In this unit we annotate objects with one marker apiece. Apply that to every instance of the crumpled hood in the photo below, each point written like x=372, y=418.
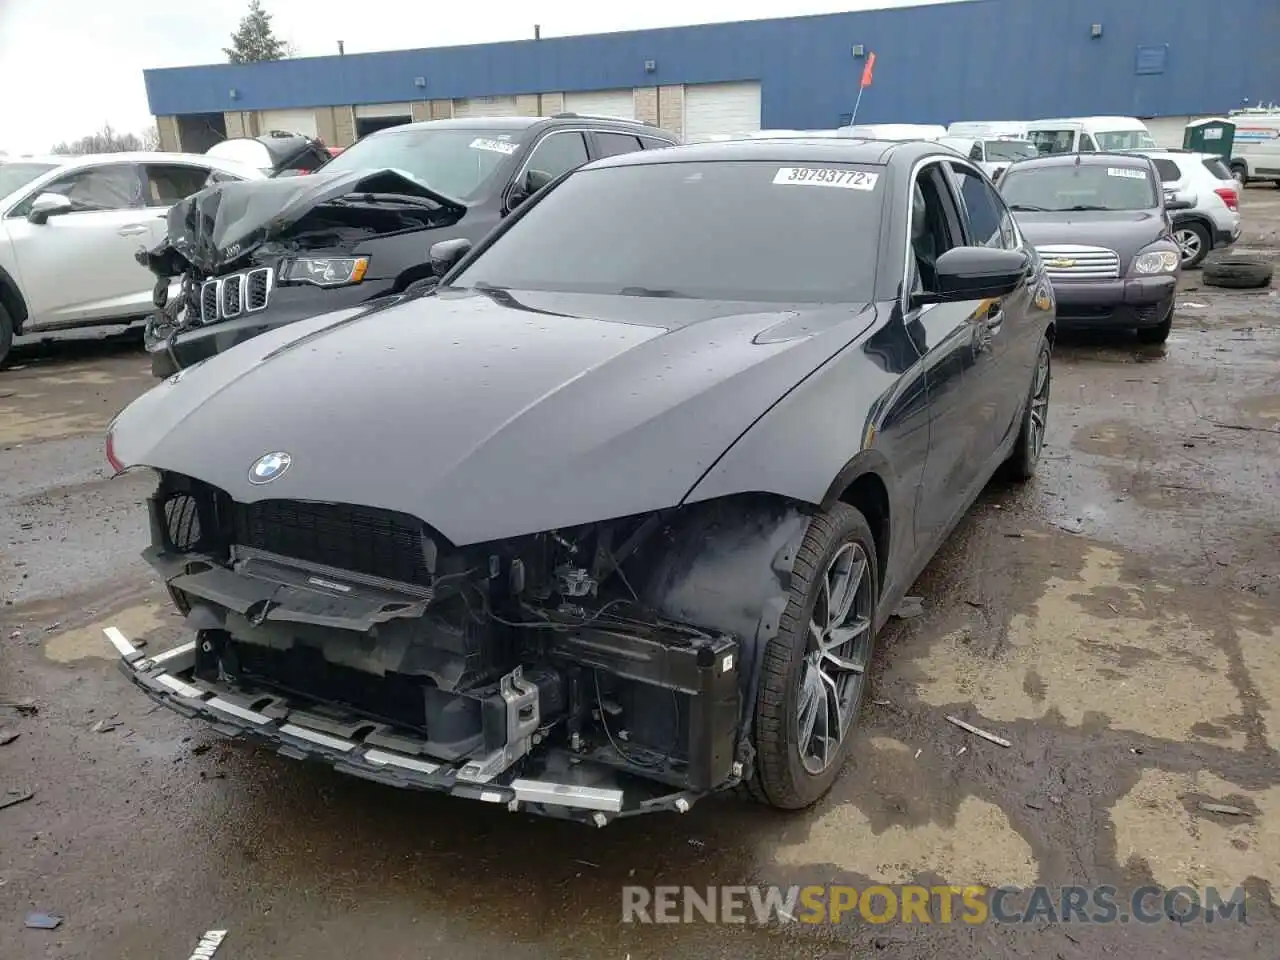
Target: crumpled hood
x=486, y=417
x=1125, y=231
x=222, y=223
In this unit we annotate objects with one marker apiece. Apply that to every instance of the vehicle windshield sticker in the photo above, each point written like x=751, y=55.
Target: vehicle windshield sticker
x=1127, y=173
x=493, y=146
x=826, y=177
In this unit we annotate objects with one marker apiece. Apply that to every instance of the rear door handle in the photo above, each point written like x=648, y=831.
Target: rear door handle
x=133, y=230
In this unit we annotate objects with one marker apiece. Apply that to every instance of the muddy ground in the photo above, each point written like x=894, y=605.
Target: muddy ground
x=1118, y=621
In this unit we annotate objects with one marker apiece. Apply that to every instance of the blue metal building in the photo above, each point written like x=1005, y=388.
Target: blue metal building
x=977, y=59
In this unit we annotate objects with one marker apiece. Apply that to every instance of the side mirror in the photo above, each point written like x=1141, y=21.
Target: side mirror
x=528, y=185
x=446, y=254
x=48, y=205
x=973, y=273
x=1180, y=201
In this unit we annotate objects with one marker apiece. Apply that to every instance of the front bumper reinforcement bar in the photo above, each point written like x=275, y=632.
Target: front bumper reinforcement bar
x=380, y=754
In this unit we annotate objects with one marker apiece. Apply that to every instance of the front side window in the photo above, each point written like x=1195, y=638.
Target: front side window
x=557, y=153
x=1113, y=185
x=1086, y=144
x=707, y=231
x=463, y=164
x=112, y=187
x=990, y=224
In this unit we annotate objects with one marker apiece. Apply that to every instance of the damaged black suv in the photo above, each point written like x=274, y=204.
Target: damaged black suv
x=252, y=257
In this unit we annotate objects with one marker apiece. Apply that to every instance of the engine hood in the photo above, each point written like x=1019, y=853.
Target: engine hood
x=1125, y=231
x=223, y=223
x=487, y=416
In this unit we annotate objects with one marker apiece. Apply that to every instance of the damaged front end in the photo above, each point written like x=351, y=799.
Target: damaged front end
x=589, y=673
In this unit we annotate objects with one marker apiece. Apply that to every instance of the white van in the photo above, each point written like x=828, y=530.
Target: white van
x=894, y=131
x=1256, y=152
x=989, y=129
x=1090, y=134
x=992, y=154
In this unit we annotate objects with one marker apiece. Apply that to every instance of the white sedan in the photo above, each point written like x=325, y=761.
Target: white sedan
x=70, y=228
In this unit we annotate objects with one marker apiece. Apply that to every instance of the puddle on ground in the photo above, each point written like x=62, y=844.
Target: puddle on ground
x=89, y=642
x=1098, y=650
x=977, y=844
x=1160, y=822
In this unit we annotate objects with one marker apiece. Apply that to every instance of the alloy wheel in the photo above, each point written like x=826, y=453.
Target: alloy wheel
x=1039, y=406
x=1188, y=244
x=834, y=670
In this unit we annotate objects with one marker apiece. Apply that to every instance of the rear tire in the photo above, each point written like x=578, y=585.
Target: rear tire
x=1240, y=173
x=806, y=693
x=1023, y=461
x=1158, y=333
x=6, y=334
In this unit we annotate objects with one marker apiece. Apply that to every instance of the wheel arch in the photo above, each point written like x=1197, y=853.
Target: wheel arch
x=12, y=300
x=862, y=485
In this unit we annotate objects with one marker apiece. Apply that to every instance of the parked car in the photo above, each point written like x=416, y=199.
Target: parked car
x=609, y=519
x=1102, y=228
x=989, y=129
x=70, y=227
x=893, y=131
x=277, y=153
x=1213, y=218
x=256, y=256
x=992, y=154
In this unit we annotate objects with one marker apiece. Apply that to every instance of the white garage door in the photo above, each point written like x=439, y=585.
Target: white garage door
x=485, y=107
x=604, y=103
x=290, y=121
x=720, y=108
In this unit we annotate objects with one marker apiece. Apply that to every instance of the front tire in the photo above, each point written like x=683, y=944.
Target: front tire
x=6, y=334
x=1158, y=333
x=1035, y=418
x=814, y=674
x=1194, y=244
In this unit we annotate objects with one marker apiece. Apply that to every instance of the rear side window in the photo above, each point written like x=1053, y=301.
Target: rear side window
x=613, y=144
x=1168, y=170
x=169, y=183
x=1217, y=168
x=652, y=143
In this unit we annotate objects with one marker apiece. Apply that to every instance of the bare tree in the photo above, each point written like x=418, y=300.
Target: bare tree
x=108, y=140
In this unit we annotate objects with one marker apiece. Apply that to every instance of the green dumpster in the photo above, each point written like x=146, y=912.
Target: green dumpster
x=1212, y=135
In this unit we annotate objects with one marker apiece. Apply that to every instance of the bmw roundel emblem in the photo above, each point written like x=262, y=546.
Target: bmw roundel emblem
x=270, y=467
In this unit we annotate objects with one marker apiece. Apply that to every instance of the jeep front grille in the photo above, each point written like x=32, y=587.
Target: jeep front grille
x=225, y=298
x=1073, y=262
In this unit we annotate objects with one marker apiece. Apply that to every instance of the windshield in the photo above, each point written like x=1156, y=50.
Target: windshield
x=15, y=176
x=461, y=164
x=1010, y=149
x=1078, y=186
x=740, y=230
x=1053, y=141
x=1124, y=140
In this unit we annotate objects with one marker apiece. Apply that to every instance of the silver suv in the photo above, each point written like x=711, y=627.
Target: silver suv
x=1204, y=179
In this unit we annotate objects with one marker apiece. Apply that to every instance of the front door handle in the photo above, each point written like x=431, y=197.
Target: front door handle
x=133, y=230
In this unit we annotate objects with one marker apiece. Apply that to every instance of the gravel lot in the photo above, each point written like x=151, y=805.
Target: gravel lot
x=1118, y=621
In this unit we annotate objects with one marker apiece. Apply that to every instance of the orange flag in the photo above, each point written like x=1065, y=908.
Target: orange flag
x=868, y=70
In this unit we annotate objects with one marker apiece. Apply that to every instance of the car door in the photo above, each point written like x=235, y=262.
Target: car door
x=1004, y=353
x=948, y=336
x=557, y=152
x=79, y=266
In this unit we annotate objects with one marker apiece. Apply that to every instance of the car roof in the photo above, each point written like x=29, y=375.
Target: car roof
x=523, y=123
x=1094, y=159
x=785, y=150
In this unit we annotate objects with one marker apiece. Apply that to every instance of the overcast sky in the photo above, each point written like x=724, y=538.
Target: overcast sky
x=68, y=66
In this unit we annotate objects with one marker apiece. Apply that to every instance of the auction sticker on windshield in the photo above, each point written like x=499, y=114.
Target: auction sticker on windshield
x=826, y=177
x=494, y=146
x=1127, y=173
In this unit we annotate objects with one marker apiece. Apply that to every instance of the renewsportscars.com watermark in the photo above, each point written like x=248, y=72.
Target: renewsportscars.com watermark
x=912, y=903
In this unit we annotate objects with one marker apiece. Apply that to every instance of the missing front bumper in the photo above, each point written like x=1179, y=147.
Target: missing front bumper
x=583, y=791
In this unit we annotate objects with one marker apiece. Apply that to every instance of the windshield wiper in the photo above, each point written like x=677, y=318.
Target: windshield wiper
x=1028, y=208
x=1081, y=207
x=651, y=292
x=400, y=199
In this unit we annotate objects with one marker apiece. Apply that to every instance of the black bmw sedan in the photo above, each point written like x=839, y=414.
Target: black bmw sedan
x=609, y=519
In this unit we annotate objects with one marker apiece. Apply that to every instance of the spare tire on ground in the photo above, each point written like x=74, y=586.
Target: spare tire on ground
x=1238, y=271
